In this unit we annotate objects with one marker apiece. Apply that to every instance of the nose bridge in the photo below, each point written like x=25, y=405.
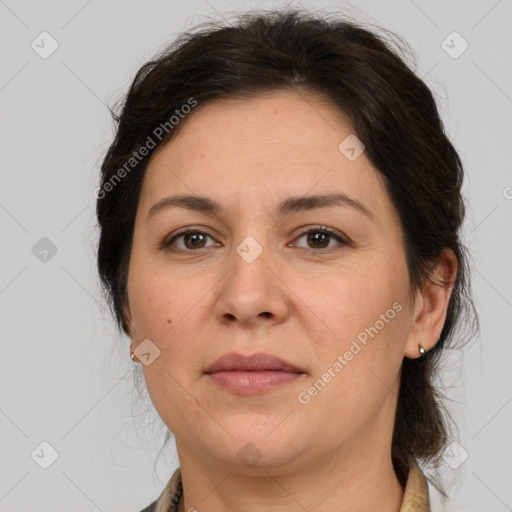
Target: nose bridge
x=250, y=290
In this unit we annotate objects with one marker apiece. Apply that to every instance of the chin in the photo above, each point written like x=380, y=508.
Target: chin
x=252, y=448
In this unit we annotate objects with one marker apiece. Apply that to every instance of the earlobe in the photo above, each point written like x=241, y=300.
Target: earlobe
x=431, y=307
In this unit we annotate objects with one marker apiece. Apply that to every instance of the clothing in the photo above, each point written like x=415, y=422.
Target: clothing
x=416, y=497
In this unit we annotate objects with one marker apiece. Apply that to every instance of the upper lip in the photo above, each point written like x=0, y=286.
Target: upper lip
x=260, y=361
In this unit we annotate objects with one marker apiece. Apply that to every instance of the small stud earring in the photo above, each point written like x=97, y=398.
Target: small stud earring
x=422, y=350
x=132, y=355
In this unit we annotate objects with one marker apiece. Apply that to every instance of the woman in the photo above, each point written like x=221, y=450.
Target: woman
x=280, y=214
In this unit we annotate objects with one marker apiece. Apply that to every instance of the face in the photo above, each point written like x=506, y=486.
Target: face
x=320, y=283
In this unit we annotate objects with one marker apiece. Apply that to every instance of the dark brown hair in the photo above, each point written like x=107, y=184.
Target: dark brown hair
x=393, y=113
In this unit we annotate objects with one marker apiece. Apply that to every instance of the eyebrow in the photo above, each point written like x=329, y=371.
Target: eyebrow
x=286, y=207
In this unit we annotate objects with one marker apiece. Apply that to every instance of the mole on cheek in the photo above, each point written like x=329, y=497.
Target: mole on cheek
x=169, y=321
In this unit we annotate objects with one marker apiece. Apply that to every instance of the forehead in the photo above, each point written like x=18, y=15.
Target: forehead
x=263, y=148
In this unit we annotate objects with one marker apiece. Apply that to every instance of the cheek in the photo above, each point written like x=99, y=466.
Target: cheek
x=152, y=309
x=157, y=301
x=164, y=313
x=350, y=300
x=367, y=319
x=169, y=310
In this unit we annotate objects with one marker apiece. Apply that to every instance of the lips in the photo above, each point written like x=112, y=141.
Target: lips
x=255, y=362
x=256, y=374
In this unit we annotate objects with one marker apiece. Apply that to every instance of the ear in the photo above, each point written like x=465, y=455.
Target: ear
x=431, y=306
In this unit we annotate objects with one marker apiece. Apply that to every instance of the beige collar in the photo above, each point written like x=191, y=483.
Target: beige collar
x=416, y=497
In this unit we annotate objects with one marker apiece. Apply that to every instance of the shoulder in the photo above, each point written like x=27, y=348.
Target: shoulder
x=170, y=496
x=151, y=507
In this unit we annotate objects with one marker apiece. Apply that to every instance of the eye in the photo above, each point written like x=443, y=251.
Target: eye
x=317, y=238
x=191, y=240
x=320, y=237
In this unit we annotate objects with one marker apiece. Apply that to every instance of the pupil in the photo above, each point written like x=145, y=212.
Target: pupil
x=196, y=236
x=314, y=238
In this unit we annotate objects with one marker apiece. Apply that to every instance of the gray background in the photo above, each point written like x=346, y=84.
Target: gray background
x=66, y=376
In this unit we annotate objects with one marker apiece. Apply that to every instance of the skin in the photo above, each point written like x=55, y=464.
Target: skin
x=333, y=453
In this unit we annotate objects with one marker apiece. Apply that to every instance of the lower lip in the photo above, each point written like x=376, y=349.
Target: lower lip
x=253, y=382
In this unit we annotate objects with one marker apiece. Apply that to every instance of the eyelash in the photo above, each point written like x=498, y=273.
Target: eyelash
x=167, y=243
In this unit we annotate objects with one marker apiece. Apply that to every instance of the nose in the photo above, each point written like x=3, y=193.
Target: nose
x=252, y=292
